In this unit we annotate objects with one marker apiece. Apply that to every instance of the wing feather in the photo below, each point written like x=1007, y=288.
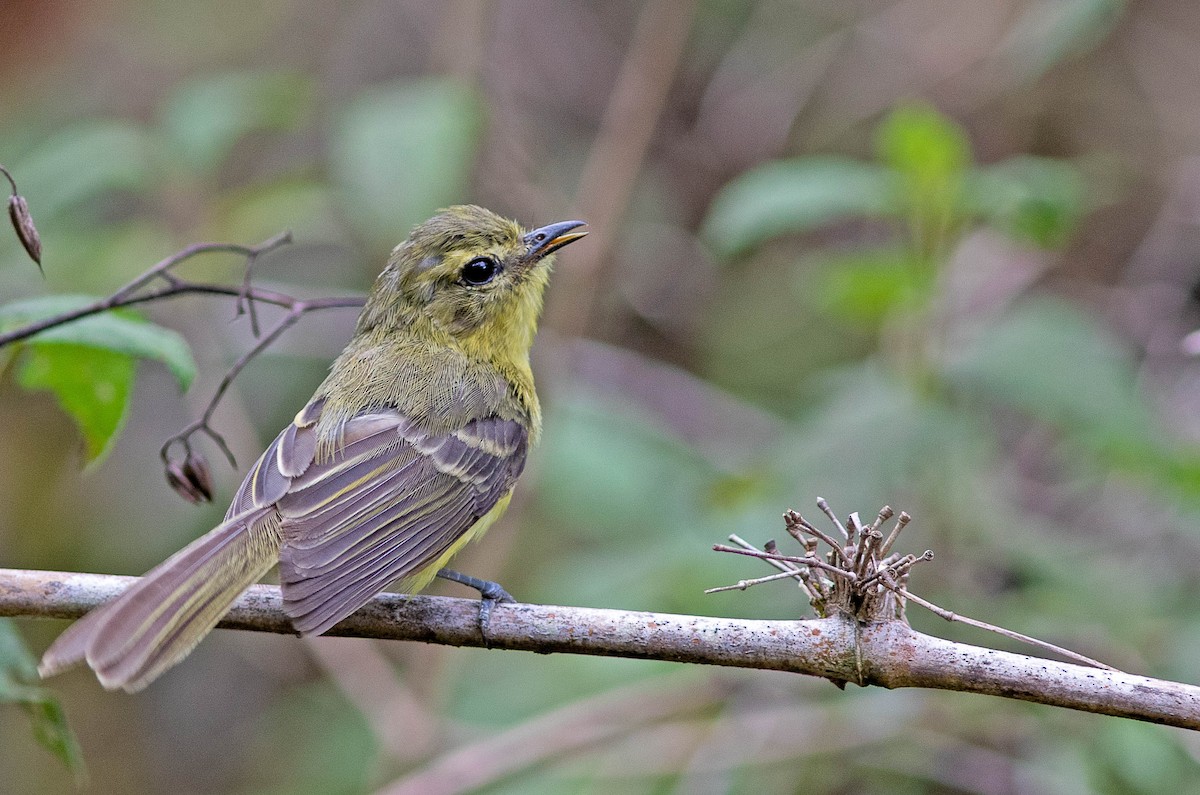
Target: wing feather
x=356, y=585
x=392, y=500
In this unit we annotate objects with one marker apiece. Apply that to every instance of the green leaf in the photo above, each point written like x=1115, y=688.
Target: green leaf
x=930, y=153
x=92, y=385
x=48, y=721
x=1034, y=199
x=869, y=285
x=795, y=196
x=244, y=103
x=922, y=144
x=119, y=331
x=402, y=151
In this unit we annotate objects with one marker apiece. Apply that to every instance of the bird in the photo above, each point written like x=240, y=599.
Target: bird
x=407, y=450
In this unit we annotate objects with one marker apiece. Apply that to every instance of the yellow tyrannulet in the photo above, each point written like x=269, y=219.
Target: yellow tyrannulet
x=408, y=450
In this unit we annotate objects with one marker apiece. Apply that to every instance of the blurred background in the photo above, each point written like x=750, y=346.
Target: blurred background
x=938, y=254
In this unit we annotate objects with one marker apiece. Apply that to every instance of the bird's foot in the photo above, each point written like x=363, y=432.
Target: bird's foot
x=490, y=594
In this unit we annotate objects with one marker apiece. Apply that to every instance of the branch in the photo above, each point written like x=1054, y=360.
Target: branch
x=886, y=653
x=189, y=476
x=129, y=294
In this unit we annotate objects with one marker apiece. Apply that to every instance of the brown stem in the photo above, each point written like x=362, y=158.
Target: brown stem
x=127, y=295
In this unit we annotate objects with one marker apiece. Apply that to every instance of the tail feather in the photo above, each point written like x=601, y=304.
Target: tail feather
x=159, y=619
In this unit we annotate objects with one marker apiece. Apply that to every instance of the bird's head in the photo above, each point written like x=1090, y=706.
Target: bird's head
x=472, y=274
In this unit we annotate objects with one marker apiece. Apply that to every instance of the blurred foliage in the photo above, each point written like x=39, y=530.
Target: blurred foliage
x=404, y=149
x=18, y=673
x=964, y=305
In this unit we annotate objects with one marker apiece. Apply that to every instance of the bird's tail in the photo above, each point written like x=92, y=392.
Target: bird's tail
x=129, y=641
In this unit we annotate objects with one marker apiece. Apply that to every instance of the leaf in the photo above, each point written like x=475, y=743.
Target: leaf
x=91, y=385
x=119, y=331
x=49, y=723
x=1054, y=363
x=869, y=285
x=1051, y=31
x=795, y=196
x=402, y=151
x=1035, y=199
x=921, y=143
x=931, y=154
x=248, y=102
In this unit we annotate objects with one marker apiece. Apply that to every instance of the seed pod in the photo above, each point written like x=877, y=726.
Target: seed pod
x=22, y=221
x=179, y=481
x=196, y=470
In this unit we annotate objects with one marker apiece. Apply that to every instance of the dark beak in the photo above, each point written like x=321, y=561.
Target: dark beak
x=551, y=238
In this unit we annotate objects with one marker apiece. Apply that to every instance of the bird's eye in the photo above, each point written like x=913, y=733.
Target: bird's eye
x=480, y=270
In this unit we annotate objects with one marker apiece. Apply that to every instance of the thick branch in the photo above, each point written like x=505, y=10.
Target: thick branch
x=889, y=654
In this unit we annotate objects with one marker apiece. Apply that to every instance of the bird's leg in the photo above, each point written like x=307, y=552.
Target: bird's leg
x=490, y=594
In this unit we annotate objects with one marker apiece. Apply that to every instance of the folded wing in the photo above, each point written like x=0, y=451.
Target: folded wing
x=392, y=500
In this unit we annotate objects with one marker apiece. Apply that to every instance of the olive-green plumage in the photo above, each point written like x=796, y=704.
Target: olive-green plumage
x=409, y=449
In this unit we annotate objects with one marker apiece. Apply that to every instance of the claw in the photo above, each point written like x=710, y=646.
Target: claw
x=490, y=594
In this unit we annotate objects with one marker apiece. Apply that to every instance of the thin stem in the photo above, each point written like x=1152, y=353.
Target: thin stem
x=127, y=295
x=10, y=179
x=140, y=291
x=803, y=561
x=950, y=615
x=742, y=585
x=202, y=425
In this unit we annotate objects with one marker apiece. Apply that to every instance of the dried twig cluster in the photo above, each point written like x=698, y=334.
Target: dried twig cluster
x=859, y=576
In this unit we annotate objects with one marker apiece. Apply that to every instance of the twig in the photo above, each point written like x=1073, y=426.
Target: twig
x=803, y=560
x=901, y=522
x=866, y=573
x=790, y=568
x=796, y=522
x=742, y=585
x=950, y=615
x=140, y=291
x=889, y=654
x=129, y=295
x=12, y=182
x=825, y=509
x=298, y=310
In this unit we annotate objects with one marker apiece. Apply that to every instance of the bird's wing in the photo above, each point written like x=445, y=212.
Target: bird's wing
x=390, y=501
x=157, y=620
x=287, y=458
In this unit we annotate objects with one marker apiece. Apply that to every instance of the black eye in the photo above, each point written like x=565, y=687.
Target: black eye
x=479, y=270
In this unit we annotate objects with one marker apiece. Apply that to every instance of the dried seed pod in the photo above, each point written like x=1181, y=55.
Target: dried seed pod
x=22, y=221
x=182, y=484
x=199, y=475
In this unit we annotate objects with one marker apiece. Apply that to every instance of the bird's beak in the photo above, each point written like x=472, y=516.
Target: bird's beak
x=553, y=237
